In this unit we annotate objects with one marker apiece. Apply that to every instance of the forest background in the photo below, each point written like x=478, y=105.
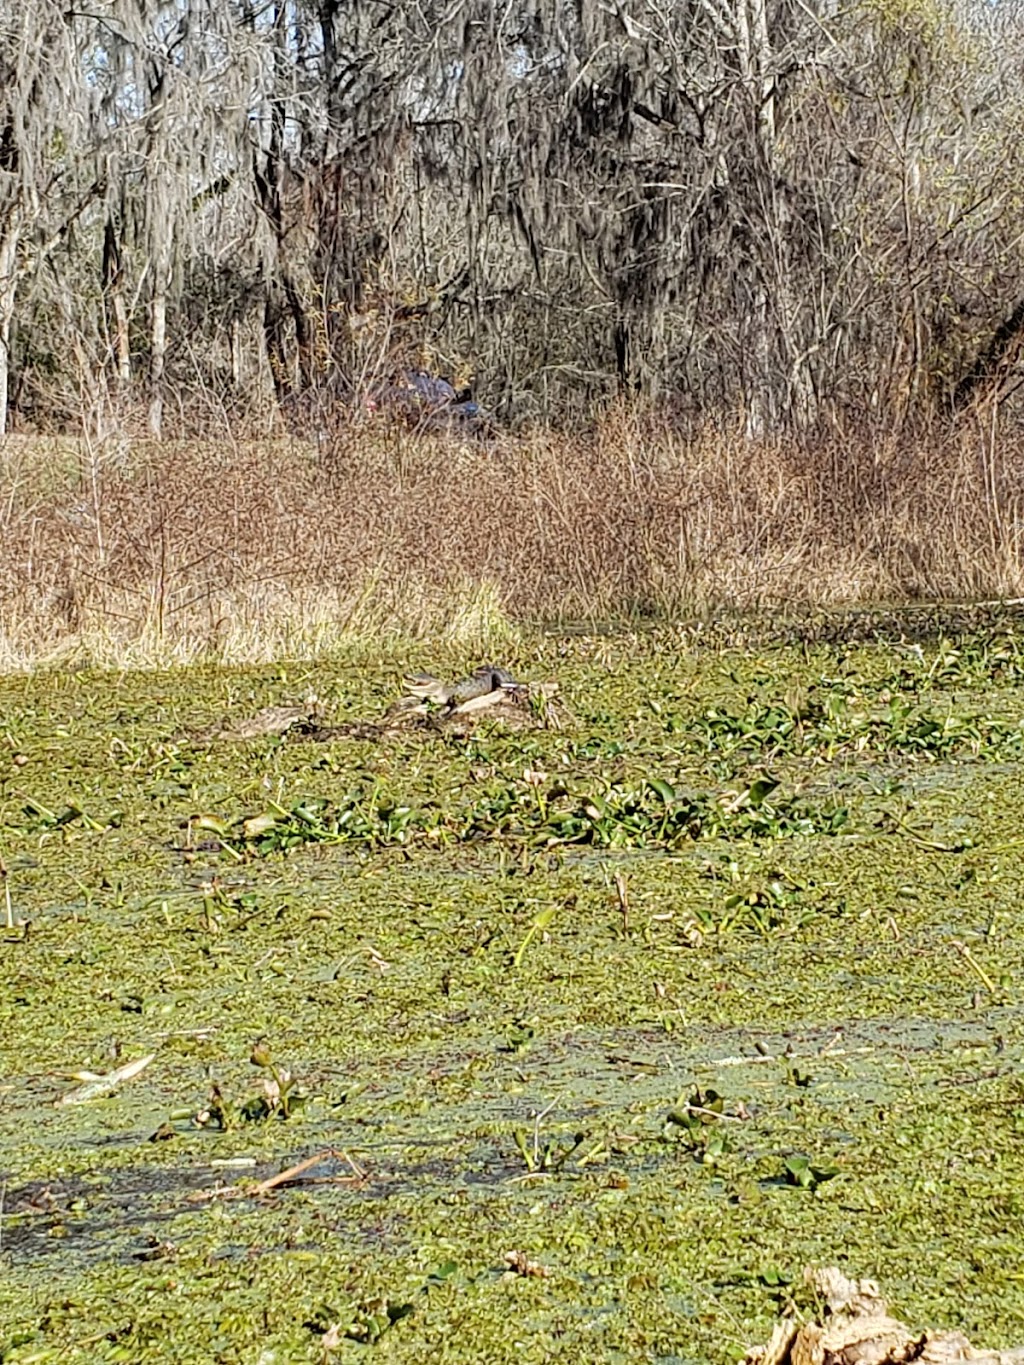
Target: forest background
x=739, y=282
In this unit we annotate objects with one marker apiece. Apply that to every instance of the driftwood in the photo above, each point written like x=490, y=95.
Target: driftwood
x=99, y=1087
x=857, y=1329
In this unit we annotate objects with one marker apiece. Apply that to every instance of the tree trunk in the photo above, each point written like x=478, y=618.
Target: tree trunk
x=113, y=289
x=158, y=334
x=8, y=291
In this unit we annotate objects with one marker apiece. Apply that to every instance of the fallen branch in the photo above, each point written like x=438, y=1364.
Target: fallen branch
x=274, y=1182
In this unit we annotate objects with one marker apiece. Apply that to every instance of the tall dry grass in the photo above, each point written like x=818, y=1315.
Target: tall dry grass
x=132, y=554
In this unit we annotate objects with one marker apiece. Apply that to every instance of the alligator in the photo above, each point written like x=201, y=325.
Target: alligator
x=428, y=704
x=482, y=682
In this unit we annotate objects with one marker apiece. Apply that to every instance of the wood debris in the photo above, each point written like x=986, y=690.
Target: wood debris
x=99, y=1087
x=857, y=1329
x=520, y=1264
x=429, y=705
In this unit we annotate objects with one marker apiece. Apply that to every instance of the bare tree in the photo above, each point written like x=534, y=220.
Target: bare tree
x=39, y=124
x=776, y=211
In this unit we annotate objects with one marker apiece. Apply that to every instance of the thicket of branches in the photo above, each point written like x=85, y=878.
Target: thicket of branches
x=785, y=212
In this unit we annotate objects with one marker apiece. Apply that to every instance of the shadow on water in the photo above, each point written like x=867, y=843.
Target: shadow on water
x=492, y=1114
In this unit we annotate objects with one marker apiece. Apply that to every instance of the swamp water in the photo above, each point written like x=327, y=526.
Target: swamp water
x=597, y=1035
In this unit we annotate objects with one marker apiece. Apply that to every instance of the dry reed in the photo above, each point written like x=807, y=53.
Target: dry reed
x=131, y=554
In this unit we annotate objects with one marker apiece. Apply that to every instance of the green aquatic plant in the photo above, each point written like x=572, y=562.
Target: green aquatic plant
x=538, y=925
x=611, y=816
x=38, y=818
x=822, y=920
x=748, y=894
x=363, y=1322
x=807, y=1174
x=832, y=721
x=698, y=1122
x=279, y=1096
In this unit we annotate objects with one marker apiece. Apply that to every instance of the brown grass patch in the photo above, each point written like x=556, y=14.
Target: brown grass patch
x=129, y=553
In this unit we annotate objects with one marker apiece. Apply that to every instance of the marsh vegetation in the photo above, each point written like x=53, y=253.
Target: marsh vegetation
x=575, y=1039
x=128, y=553
x=545, y=1044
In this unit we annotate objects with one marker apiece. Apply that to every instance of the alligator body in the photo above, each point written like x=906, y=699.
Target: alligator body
x=428, y=705
x=482, y=682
